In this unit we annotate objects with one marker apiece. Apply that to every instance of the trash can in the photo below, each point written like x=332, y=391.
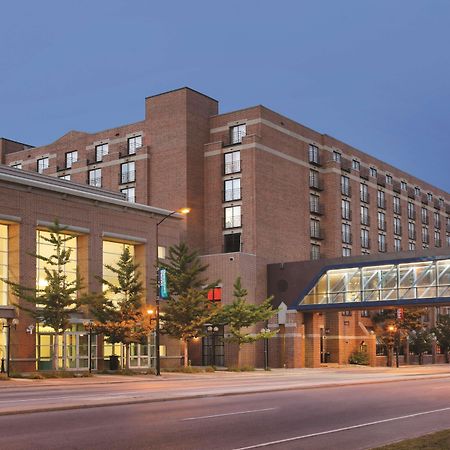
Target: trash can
x=113, y=362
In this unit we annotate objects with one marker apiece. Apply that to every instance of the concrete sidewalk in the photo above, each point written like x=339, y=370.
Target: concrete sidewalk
x=24, y=396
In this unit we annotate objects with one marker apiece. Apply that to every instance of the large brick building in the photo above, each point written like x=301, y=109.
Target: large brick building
x=263, y=188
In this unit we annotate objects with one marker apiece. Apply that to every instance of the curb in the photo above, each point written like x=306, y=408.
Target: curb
x=224, y=394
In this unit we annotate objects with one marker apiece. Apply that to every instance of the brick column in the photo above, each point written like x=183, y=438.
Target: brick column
x=312, y=339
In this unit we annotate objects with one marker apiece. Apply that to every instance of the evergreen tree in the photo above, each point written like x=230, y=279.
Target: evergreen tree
x=442, y=332
x=240, y=315
x=53, y=304
x=120, y=312
x=188, y=309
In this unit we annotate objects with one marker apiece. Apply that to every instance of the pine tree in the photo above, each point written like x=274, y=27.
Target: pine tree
x=119, y=312
x=442, y=332
x=188, y=309
x=240, y=315
x=53, y=304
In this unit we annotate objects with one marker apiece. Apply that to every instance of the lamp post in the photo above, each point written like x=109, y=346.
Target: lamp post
x=395, y=332
x=9, y=324
x=213, y=330
x=266, y=348
x=89, y=325
x=183, y=211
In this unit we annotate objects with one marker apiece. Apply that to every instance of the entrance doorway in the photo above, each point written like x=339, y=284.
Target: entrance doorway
x=213, y=347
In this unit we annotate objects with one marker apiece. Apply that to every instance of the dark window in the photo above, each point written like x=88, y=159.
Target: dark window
x=232, y=243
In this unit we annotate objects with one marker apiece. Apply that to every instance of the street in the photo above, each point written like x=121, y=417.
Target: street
x=341, y=417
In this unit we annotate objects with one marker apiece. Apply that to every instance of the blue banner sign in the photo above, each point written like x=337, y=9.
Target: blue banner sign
x=163, y=290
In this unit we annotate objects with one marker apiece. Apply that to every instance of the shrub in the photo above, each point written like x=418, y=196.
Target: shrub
x=361, y=358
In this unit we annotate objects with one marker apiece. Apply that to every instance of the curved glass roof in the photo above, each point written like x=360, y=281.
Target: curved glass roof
x=402, y=283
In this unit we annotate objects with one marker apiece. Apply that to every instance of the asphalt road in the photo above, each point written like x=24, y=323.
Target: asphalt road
x=346, y=417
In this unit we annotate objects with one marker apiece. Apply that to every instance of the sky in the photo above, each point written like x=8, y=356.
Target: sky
x=373, y=73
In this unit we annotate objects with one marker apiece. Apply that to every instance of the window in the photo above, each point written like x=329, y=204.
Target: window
x=71, y=158
x=437, y=220
x=232, y=189
x=215, y=294
x=233, y=217
x=424, y=215
x=65, y=177
x=397, y=244
x=16, y=165
x=381, y=242
x=162, y=252
x=381, y=221
x=365, y=313
x=381, y=200
x=346, y=251
x=411, y=245
x=364, y=193
x=346, y=234
x=345, y=207
x=347, y=313
x=95, y=177
x=365, y=215
x=403, y=185
x=315, y=251
x=397, y=226
x=388, y=179
x=425, y=235
x=42, y=164
x=397, y=207
x=411, y=211
x=448, y=240
x=232, y=242
x=345, y=185
x=133, y=144
x=130, y=194
x=100, y=151
x=411, y=230
x=337, y=156
x=373, y=172
x=441, y=202
x=314, y=181
x=365, y=243
x=3, y=264
x=416, y=191
x=313, y=154
x=315, y=229
x=237, y=133
x=232, y=162
x=437, y=238
x=356, y=165
x=430, y=196
x=314, y=204
x=127, y=172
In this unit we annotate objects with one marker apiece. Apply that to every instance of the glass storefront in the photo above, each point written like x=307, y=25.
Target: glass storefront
x=418, y=280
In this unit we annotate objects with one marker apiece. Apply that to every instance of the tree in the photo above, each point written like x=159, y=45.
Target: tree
x=240, y=315
x=421, y=342
x=442, y=332
x=188, y=309
x=53, y=304
x=391, y=329
x=119, y=311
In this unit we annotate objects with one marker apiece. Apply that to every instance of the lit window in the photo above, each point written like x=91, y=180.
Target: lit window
x=232, y=189
x=237, y=133
x=130, y=194
x=100, y=151
x=233, y=217
x=95, y=177
x=42, y=164
x=215, y=294
x=71, y=158
x=232, y=162
x=161, y=252
x=133, y=144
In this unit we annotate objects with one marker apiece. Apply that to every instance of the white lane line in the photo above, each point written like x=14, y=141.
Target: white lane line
x=337, y=430
x=228, y=414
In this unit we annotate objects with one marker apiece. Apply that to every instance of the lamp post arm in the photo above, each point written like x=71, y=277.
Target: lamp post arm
x=166, y=217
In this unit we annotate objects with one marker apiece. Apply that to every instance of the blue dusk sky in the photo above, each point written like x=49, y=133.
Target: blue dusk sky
x=373, y=73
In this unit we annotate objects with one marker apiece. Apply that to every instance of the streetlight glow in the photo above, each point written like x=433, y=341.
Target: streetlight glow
x=184, y=211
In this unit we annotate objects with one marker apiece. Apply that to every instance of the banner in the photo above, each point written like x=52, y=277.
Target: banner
x=162, y=282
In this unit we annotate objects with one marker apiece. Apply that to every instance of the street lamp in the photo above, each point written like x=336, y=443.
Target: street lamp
x=9, y=324
x=213, y=330
x=393, y=330
x=182, y=211
x=266, y=348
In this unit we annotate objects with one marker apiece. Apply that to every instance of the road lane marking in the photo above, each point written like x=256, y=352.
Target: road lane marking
x=337, y=430
x=228, y=414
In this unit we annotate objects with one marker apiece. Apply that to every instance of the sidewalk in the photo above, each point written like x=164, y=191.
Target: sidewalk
x=22, y=396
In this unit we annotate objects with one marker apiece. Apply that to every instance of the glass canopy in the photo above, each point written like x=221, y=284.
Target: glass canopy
x=392, y=282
